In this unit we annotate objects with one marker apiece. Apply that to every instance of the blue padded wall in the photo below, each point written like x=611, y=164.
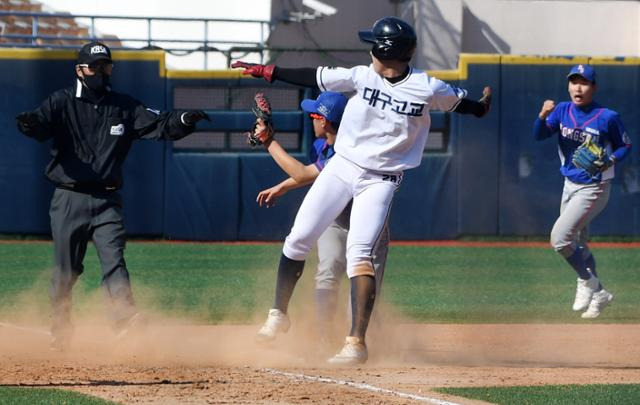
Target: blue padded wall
x=424, y=206
x=202, y=196
x=259, y=172
x=494, y=179
x=530, y=183
x=477, y=155
x=24, y=191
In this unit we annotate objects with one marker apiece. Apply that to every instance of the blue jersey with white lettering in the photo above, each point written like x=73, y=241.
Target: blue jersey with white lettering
x=320, y=153
x=572, y=124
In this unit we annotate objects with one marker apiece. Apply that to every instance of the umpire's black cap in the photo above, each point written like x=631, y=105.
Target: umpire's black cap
x=92, y=52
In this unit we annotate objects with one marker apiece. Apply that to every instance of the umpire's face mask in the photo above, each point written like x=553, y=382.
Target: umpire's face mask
x=98, y=82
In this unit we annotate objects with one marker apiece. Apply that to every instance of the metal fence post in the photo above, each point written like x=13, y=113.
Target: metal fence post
x=34, y=29
x=148, y=32
x=206, y=44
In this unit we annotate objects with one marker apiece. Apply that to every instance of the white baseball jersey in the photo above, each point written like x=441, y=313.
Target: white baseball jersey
x=385, y=125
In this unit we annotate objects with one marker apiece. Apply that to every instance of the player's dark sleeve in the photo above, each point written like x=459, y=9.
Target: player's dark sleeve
x=467, y=106
x=479, y=108
x=155, y=125
x=305, y=77
x=541, y=130
x=620, y=142
x=38, y=124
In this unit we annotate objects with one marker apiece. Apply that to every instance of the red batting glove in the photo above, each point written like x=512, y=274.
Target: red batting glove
x=256, y=70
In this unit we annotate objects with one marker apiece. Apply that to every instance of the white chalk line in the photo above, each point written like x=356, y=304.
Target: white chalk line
x=47, y=333
x=25, y=329
x=361, y=386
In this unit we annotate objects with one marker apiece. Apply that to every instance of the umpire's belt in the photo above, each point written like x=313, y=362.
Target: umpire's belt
x=88, y=188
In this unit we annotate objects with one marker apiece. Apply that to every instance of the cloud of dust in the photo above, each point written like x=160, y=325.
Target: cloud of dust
x=175, y=337
x=171, y=336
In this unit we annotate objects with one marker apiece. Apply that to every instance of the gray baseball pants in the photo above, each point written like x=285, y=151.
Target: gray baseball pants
x=581, y=203
x=332, y=254
x=77, y=218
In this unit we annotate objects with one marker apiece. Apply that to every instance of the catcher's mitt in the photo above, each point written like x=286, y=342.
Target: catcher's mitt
x=591, y=157
x=262, y=130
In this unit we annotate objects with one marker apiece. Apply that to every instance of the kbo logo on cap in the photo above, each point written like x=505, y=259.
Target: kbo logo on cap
x=580, y=68
x=98, y=49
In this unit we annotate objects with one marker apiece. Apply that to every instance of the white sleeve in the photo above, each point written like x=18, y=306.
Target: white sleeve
x=336, y=79
x=445, y=96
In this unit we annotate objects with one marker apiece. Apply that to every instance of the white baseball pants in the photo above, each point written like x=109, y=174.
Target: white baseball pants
x=340, y=181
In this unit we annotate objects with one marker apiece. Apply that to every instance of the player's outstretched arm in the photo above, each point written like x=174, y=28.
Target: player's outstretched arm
x=37, y=124
x=478, y=108
x=305, y=77
x=299, y=172
x=30, y=124
x=151, y=124
x=269, y=196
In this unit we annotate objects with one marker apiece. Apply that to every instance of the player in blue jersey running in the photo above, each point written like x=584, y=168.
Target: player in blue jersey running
x=584, y=195
x=326, y=113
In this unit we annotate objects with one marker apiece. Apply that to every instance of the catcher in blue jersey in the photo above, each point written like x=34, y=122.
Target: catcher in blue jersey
x=591, y=141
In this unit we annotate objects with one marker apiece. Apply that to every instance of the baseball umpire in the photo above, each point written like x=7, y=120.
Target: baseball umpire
x=92, y=128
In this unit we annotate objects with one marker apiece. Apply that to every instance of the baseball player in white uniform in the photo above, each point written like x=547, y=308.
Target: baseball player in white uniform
x=383, y=132
x=326, y=113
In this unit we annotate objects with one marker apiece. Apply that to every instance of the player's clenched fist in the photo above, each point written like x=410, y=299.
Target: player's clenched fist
x=547, y=107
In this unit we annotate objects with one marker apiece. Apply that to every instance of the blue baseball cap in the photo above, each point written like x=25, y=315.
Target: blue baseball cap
x=584, y=71
x=329, y=104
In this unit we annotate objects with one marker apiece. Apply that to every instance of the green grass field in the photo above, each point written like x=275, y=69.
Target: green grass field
x=45, y=396
x=553, y=394
x=230, y=283
x=222, y=282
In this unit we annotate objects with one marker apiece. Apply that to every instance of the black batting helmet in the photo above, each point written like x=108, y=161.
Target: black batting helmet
x=392, y=39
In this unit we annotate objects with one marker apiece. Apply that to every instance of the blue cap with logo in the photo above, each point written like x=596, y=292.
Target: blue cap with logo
x=329, y=104
x=585, y=71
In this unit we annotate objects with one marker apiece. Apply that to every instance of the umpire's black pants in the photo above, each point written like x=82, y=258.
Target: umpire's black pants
x=75, y=219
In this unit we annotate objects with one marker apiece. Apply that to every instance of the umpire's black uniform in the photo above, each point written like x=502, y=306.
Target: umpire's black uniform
x=92, y=130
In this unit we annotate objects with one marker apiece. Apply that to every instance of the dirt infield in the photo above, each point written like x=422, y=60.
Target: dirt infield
x=173, y=362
